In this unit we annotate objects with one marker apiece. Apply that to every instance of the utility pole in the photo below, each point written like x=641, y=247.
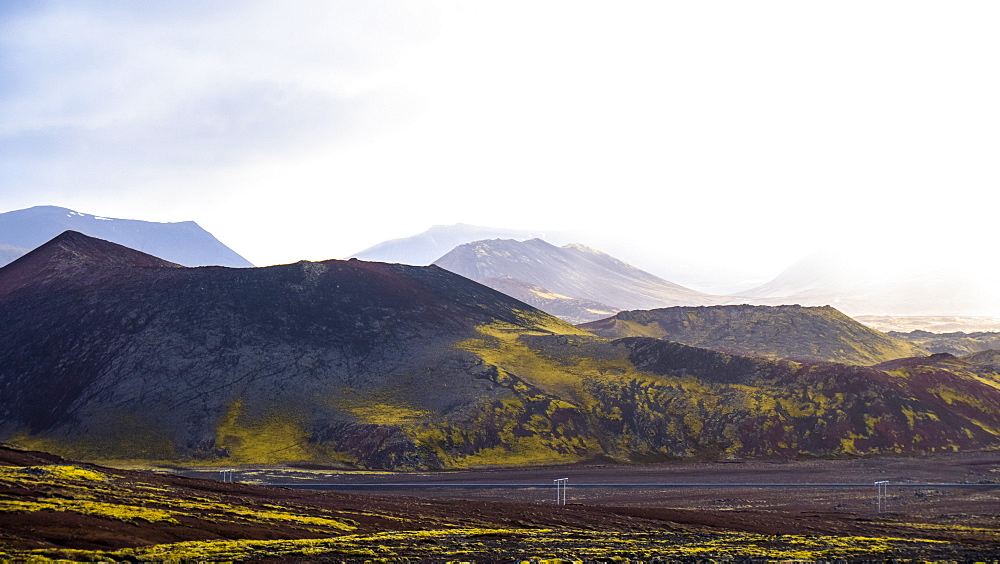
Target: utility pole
x=560, y=484
x=882, y=495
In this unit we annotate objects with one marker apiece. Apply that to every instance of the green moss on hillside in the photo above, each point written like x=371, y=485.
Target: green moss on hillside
x=792, y=332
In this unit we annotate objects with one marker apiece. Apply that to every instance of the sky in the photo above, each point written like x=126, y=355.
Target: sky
x=741, y=134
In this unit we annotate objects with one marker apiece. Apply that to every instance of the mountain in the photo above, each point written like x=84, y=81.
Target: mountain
x=110, y=353
x=71, y=254
x=988, y=359
x=701, y=273
x=573, y=310
x=184, y=243
x=424, y=248
x=814, y=334
x=573, y=270
x=655, y=399
x=134, y=357
x=874, y=281
x=956, y=342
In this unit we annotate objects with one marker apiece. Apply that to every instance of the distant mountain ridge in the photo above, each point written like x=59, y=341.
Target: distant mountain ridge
x=424, y=248
x=858, y=280
x=573, y=270
x=955, y=342
x=989, y=358
x=184, y=243
x=789, y=331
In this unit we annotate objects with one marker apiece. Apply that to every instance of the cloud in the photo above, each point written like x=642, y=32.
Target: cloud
x=100, y=87
x=748, y=132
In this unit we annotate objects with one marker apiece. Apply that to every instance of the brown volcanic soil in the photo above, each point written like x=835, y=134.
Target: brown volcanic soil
x=733, y=502
x=966, y=516
x=704, y=514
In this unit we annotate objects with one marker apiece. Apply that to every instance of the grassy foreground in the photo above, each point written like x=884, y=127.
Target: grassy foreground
x=51, y=509
x=492, y=544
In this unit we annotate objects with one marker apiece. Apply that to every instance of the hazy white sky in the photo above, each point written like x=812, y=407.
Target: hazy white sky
x=745, y=133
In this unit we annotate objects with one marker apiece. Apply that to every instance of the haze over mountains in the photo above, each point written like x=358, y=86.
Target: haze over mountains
x=573, y=310
x=426, y=247
x=859, y=281
x=902, y=281
x=573, y=270
x=8, y=253
x=114, y=354
x=185, y=243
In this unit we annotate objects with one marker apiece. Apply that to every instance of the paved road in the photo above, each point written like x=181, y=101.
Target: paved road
x=478, y=485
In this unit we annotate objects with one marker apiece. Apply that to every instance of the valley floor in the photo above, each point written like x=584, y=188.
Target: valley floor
x=916, y=485
x=55, y=509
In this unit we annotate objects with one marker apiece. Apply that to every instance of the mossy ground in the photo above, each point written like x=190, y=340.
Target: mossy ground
x=641, y=398
x=821, y=334
x=484, y=544
x=66, y=511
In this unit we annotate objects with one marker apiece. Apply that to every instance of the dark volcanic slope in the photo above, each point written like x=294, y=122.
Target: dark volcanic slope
x=575, y=271
x=110, y=353
x=68, y=255
x=794, y=332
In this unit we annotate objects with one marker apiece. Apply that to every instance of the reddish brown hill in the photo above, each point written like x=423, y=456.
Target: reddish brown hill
x=113, y=353
x=573, y=271
x=66, y=254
